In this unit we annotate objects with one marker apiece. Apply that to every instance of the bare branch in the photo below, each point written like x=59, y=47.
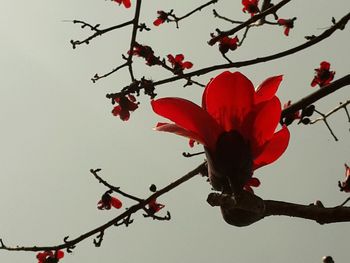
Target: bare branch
x=339, y=25
x=250, y=21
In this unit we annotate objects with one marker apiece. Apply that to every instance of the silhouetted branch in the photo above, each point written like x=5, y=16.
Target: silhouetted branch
x=96, y=30
x=317, y=95
x=133, y=209
x=250, y=21
x=263, y=208
x=339, y=25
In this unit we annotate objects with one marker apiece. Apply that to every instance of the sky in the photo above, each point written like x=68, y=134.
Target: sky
x=57, y=125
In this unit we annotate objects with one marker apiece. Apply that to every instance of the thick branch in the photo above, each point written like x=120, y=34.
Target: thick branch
x=320, y=214
x=250, y=208
x=320, y=93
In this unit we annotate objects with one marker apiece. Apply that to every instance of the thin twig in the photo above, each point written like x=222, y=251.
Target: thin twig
x=133, y=209
x=98, y=32
x=250, y=21
x=324, y=116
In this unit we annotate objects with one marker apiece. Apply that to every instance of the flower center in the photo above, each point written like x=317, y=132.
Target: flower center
x=231, y=164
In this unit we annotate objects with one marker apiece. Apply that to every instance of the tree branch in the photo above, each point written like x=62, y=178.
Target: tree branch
x=339, y=25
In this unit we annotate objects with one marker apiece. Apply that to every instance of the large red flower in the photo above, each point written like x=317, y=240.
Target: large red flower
x=236, y=125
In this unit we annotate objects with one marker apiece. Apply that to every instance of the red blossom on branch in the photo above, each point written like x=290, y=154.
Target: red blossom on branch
x=323, y=75
x=227, y=43
x=154, y=207
x=107, y=201
x=287, y=23
x=250, y=6
x=145, y=52
x=126, y=3
x=126, y=104
x=345, y=185
x=178, y=64
x=50, y=256
x=162, y=17
x=236, y=125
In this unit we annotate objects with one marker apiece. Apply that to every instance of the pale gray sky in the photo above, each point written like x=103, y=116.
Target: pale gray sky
x=56, y=125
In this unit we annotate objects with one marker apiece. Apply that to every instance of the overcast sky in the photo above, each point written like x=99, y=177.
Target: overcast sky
x=56, y=125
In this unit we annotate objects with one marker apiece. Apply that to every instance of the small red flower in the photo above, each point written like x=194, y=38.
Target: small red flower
x=178, y=64
x=107, y=201
x=126, y=3
x=227, y=43
x=287, y=23
x=145, y=52
x=236, y=125
x=50, y=256
x=126, y=104
x=345, y=185
x=154, y=207
x=251, y=6
x=162, y=17
x=323, y=75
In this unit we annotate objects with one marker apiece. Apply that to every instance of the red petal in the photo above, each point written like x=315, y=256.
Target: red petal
x=281, y=21
x=171, y=59
x=189, y=116
x=314, y=82
x=228, y=98
x=286, y=31
x=173, y=128
x=124, y=115
x=265, y=123
x=116, y=203
x=187, y=65
x=255, y=182
x=116, y=110
x=325, y=65
x=59, y=254
x=267, y=89
x=127, y=3
x=158, y=21
x=273, y=149
x=179, y=57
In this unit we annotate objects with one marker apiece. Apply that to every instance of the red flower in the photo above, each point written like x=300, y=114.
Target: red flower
x=345, y=186
x=236, y=125
x=162, y=17
x=154, y=207
x=227, y=43
x=126, y=104
x=323, y=75
x=287, y=23
x=126, y=3
x=145, y=52
x=107, y=201
x=251, y=6
x=178, y=64
x=49, y=256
